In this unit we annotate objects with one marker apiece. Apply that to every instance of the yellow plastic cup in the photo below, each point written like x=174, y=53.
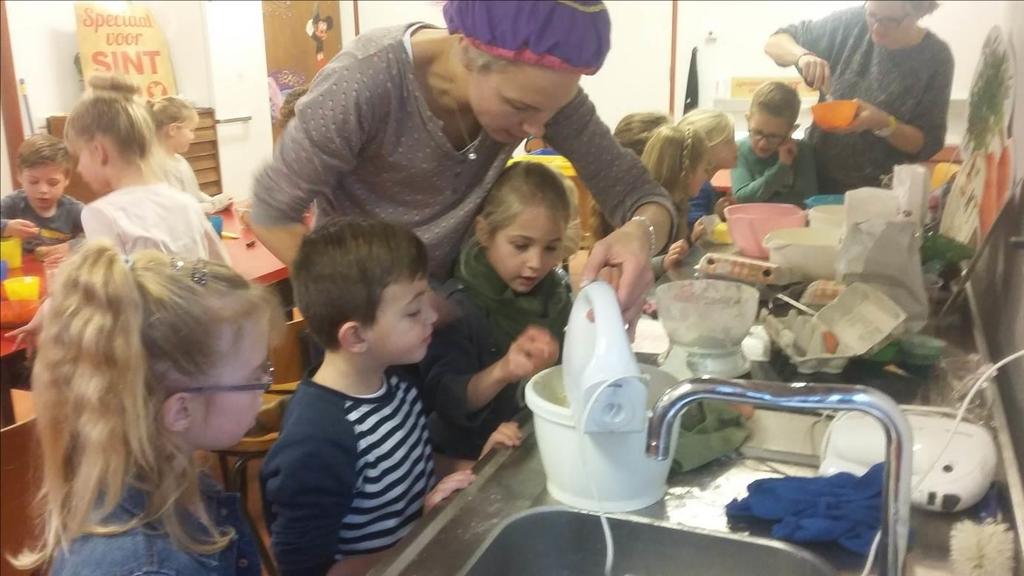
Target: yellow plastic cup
x=23, y=288
x=10, y=250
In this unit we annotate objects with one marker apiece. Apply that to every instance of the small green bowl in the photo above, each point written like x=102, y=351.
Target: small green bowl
x=922, y=350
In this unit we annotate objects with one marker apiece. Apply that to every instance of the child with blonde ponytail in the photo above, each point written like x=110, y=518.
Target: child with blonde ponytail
x=142, y=362
x=175, y=122
x=678, y=159
x=111, y=131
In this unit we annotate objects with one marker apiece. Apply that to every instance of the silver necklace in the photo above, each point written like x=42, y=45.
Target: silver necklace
x=470, y=149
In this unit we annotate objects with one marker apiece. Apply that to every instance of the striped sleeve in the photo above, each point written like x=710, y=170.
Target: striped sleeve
x=395, y=469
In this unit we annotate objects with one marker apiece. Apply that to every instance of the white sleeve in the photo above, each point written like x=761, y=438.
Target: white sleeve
x=98, y=224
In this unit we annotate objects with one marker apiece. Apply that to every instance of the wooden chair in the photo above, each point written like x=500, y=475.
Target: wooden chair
x=19, y=477
x=254, y=446
x=289, y=362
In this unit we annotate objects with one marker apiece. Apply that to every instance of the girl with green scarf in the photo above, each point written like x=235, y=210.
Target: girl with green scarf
x=513, y=305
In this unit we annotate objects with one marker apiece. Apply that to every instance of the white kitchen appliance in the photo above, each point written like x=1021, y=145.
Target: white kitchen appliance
x=591, y=413
x=963, y=473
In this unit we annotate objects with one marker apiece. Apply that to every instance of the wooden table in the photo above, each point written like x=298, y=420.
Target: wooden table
x=29, y=267
x=254, y=262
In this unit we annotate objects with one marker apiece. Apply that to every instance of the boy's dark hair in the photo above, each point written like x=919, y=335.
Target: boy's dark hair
x=343, y=267
x=43, y=150
x=777, y=99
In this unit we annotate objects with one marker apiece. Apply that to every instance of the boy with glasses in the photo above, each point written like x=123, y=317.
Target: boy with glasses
x=771, y=165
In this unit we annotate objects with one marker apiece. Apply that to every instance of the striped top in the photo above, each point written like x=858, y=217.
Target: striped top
x=348, y=475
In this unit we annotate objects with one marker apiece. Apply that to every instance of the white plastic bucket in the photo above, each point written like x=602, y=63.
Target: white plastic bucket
x=827, y=217
x=603, y=472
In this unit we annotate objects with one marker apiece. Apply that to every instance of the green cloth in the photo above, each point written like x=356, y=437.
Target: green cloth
x=708, y=430
x=547, y=305
x=757, y=179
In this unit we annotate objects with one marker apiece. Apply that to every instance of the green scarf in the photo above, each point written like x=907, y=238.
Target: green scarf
x=509, y=313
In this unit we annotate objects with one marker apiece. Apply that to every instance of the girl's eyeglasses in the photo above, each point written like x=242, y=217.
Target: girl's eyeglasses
x=262, y=384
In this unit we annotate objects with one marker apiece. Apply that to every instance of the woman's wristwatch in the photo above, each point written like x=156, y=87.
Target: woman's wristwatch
x=889, y=128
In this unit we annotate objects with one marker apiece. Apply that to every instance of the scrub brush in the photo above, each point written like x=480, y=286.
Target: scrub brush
x=984, y=549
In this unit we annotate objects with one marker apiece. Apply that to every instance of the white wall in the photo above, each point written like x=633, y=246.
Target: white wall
x=237, y=59
x=44, y=49
x=635, y=76
x=379, y=14
x=5, y=166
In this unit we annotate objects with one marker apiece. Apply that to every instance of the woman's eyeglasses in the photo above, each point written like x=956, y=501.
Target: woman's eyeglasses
x=262, y=384
x=888, y=22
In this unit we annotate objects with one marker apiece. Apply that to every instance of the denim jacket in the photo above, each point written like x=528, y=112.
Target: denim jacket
x=147, y=551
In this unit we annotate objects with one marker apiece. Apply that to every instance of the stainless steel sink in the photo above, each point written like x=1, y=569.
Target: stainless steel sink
x=558, y=541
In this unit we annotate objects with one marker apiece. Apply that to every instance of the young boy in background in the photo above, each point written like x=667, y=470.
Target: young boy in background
x=39, y=213
x=772, y=166
x=353, y=468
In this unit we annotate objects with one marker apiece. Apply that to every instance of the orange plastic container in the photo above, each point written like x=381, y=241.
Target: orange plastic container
x=834, y=114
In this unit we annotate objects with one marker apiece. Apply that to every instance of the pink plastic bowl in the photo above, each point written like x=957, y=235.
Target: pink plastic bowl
x=750, y=223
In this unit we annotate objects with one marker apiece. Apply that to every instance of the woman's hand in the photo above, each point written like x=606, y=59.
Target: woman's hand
x=534, y=350
x=507, y=434
x=816, y=72
x=21, y=229
x=868, y=117
x=627, y=249
x=448, y=485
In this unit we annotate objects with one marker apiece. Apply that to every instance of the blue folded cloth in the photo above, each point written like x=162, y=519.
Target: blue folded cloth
x=841, y=508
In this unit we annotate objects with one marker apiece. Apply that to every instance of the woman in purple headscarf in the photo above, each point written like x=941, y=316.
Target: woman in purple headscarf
x=413, y=124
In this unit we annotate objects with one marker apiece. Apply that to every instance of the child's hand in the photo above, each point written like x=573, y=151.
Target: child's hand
x=699, y=229
x=534, y=350
x=53, y=254
x=787, y=152
x=21, y=229
x=723, y=203
x=448, y=485
x=676, y=253
x=507, y=435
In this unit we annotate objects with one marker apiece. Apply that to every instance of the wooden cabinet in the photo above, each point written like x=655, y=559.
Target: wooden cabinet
x=201, y=155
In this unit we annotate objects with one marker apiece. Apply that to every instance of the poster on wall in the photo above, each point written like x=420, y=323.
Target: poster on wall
x=124, y=38
x=301, y=38
x=982, y=186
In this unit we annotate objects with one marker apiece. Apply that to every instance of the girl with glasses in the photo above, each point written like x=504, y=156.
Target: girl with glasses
x=141, y=363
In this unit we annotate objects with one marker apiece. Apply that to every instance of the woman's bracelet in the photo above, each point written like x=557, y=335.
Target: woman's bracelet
x=652, y=236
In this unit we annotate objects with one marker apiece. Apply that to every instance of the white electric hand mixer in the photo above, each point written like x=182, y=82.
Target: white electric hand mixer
x=605, y=387
x=590, y=413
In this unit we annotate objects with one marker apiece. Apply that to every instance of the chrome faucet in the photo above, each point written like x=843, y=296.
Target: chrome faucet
x=805, y=396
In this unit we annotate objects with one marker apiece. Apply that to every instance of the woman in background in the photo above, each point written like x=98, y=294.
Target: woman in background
x=900, y=74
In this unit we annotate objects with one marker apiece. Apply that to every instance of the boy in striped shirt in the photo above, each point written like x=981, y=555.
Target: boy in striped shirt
x=353, y=468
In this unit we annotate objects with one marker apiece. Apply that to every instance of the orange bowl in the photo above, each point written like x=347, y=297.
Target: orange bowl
x=834, y=114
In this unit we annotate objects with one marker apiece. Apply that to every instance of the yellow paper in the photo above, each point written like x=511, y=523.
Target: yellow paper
x=123, y=38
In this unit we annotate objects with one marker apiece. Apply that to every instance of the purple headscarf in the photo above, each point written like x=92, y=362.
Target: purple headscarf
x=562, y=35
